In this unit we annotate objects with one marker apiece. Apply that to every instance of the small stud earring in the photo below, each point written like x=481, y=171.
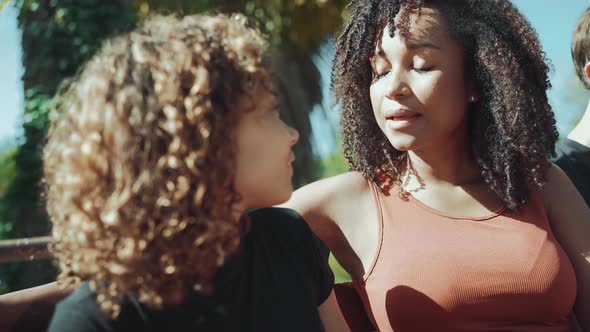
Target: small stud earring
x=472, y=99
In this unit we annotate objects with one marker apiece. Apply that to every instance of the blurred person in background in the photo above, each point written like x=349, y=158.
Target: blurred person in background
x=573, y=151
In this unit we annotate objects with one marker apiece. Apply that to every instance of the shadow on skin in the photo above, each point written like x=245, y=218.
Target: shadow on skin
x=338, y=244
x=400, y=298
x=352, y=308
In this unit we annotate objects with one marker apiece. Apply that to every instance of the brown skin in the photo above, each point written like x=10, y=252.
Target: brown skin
x=264, y=155
x=342, y=212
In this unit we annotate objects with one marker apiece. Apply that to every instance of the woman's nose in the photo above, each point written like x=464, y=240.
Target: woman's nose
x=397, y=85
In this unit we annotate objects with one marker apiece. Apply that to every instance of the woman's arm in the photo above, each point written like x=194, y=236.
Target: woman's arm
x=570, y=221
x=331, y=315
x=318, y=203
x=30, y=308
x=336, y=209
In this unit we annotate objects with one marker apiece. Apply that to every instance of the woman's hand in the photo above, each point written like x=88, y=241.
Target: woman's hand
x=31, y=309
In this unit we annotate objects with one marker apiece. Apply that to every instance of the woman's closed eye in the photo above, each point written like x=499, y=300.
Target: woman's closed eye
x=423, y=70
x=377, y=76
x=274, y=113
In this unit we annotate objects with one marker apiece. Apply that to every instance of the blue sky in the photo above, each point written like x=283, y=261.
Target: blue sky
x=11, y=94
x=553, y=19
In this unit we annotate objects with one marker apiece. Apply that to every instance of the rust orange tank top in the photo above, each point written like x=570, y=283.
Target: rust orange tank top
x=435, y=272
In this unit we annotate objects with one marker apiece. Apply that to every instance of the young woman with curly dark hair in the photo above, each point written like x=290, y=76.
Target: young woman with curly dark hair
x=156, y=151
x=452, y=218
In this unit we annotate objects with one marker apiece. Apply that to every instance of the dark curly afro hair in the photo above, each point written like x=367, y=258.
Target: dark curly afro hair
x=511, y=128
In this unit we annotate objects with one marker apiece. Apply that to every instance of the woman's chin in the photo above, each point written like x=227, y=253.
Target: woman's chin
x=271, y=199
x=404, y=143
x=280, y=199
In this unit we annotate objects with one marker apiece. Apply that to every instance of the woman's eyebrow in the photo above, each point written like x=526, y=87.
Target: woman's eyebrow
x=422, y=44
x=412, y=45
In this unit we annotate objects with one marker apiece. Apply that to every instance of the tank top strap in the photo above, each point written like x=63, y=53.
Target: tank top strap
x=535, y=201
x=377, y=198
x=533, y=211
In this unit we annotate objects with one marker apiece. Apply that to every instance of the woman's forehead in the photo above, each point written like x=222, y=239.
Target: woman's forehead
x=429, y=29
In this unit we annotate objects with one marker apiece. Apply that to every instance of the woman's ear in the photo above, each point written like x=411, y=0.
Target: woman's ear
x=587, y=71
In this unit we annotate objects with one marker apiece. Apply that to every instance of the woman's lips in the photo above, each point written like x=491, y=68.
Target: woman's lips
x=401, y=120
x=404, y=117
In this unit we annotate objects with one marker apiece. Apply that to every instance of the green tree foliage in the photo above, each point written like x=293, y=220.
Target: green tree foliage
x=333, y=164
x=3, y=4
x=7, y=171
x=299, y=24
x=58, y=36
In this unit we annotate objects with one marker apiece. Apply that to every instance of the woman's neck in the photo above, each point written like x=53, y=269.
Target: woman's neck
x=581, y=132
x=443, y=165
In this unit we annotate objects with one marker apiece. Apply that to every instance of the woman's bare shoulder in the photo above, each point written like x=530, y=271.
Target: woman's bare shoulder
x=330, y=204
x=318, y=197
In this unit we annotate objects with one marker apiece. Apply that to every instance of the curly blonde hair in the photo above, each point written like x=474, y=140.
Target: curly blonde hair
x=139, y=163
